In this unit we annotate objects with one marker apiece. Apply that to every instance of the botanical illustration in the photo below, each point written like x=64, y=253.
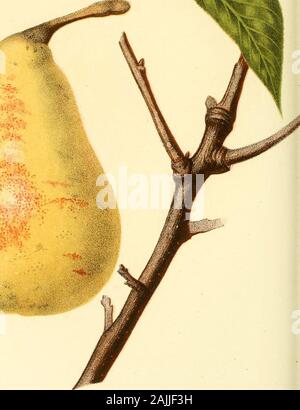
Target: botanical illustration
x=57, y=247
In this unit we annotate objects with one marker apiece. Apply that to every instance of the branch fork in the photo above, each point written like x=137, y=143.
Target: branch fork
x=205, y=226
x=212, y=157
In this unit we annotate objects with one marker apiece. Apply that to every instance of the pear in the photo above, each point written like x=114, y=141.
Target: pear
x=57, y=248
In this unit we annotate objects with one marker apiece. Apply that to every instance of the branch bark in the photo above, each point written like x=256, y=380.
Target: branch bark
x=130, y=280
x=205, y=226
x=211, y=158
x=220, y=119
x=243, y=154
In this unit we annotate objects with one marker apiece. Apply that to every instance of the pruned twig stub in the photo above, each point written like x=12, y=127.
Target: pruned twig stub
x=108, y=312
x=130, y=280
x=205, y=226
x=212, y=157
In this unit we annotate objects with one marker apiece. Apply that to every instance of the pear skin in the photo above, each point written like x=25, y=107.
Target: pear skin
x=57, y=248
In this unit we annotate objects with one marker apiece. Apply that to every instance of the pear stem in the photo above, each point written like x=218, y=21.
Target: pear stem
x=44, y=32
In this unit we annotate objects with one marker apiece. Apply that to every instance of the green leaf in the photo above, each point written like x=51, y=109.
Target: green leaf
x=257, y=27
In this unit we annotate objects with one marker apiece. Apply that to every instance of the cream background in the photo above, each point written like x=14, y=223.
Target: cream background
x=222, y=316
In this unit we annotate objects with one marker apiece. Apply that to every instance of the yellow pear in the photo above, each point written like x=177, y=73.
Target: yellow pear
x=57, y=248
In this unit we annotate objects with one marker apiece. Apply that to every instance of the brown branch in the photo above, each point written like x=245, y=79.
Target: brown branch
x=108, y=312
x=173, y=235
x=210, y=158
x=210, y=103
x=130, y=280
x=243, y=154
x=114, y=339
x=138, y=70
